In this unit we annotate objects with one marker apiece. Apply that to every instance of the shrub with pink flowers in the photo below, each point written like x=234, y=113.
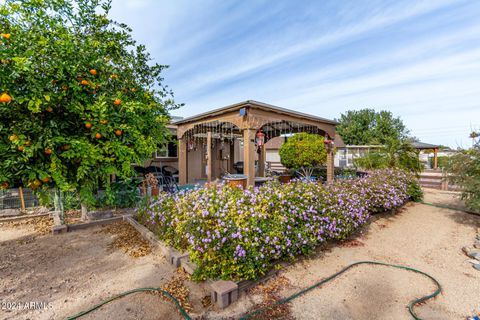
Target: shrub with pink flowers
x=238, y=234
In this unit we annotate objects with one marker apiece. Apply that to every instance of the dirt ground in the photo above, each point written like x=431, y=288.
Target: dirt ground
x=74, y=271
x=79, y=269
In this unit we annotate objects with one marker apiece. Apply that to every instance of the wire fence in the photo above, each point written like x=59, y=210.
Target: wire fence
x=13, y=198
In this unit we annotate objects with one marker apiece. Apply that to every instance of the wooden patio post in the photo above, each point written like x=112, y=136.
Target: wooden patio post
x=231, y=159
x=435, y=158
x=330, y=165
x=182, y=162
x=249, y=155
x=209, y=156
x=261, y=161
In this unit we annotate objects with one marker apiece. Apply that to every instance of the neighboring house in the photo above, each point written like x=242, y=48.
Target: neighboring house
x=345, y=155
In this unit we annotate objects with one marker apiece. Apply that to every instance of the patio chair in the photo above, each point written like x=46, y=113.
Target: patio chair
x=170, y=171
x=166, y=183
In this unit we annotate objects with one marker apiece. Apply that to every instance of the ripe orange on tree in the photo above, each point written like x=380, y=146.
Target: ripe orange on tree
x=98, y=135
x=34, y=184
x=84, y=82
x=104, y=121
x=117, y=102
x=88, y=125
x=6, y=36
x=118, y=132
x=5, y=98
x=48, y=151
x=93, y=72
x=20, y=148
x=46, y=179
x=49, y=109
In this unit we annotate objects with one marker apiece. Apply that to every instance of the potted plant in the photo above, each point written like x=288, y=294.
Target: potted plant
x=302, y=152
x=152, y=184
x=286, y=176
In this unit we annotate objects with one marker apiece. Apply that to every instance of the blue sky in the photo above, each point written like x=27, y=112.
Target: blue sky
x=417, y=59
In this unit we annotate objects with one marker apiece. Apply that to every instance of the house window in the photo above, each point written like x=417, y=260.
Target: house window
x=169, y=150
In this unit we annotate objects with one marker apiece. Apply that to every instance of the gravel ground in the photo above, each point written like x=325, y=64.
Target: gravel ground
x=422, y=237
x=448, y=198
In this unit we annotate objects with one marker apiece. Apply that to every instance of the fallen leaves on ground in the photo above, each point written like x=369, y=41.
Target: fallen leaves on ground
x=41, y=225
x=176, y=288
x=270, y=290
x=352, y=243
x=207, y=301
x=128, y=239
x=73, y=216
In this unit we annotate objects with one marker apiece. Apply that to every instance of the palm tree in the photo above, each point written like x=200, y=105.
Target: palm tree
x=394, y=153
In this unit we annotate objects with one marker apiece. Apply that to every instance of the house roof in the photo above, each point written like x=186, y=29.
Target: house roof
x=274, y=143
x=338, y=141
x=258, y=105
x=423, y=145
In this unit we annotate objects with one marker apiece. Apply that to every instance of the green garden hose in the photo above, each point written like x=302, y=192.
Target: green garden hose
x=410, y=305
x=448, y=207
x=283, y=301
x=165, y=293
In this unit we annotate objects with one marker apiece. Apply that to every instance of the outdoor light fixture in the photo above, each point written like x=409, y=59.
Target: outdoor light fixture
x=328, y=144
x=260, y=138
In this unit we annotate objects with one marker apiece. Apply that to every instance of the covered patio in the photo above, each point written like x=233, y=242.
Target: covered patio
x=210, y=143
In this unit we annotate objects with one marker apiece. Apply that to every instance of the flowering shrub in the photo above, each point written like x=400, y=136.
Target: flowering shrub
x=238, y=234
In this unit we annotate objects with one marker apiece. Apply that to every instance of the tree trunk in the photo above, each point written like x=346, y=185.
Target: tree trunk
x=58, y=215
x=83, y=205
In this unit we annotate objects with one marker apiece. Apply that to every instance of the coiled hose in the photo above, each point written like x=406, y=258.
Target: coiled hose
x=286, y=300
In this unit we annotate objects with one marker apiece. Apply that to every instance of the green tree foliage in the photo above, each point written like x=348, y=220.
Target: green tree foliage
x=393, y=154
x=303, y=151
x=369, y=127
x=80, y=99
x=465, y=169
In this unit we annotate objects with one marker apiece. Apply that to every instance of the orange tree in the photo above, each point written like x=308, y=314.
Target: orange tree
x=79, y=99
